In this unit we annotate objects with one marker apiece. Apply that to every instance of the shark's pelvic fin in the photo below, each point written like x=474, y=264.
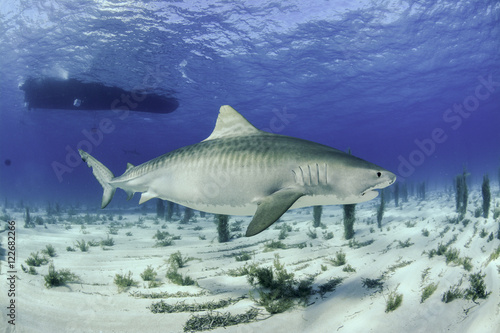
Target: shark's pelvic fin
x=130, y=194
x=147, y=196
x=270, y=209
x=230, y=123
x=103, y=176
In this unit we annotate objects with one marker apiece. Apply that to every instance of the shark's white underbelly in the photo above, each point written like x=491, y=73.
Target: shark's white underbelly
x=229, y=191
x=229, y=194
x=218, y=191
x=250, y=208
x=223, y=192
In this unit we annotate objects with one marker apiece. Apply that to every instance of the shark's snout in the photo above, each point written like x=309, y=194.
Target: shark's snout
x=392, y=177
x=388, y=176
x=386, y=179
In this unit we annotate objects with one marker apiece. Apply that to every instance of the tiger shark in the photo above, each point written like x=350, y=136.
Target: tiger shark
x=241, y=170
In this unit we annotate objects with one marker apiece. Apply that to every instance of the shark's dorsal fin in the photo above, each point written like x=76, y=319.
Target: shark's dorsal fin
x=231, y=123
x=129, y=166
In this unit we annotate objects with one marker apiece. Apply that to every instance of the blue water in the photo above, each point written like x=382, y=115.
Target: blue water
x=382, y=78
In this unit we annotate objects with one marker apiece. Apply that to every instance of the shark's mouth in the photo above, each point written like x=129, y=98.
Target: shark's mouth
x=371, y=189
x=368, y=191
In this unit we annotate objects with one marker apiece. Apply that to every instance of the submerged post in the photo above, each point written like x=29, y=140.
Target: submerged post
x=222, y=227
x=349, y=218
x=317, y=210
x=486, y=195
x=160, y=209
x=381, y=209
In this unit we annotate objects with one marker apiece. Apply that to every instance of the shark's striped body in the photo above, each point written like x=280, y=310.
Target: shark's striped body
x=240, y=170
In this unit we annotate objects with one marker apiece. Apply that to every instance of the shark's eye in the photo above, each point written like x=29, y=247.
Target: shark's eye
x=379, y=174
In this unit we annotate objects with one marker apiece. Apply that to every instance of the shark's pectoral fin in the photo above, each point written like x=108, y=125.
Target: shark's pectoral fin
x=270, y=209
x=147, y=196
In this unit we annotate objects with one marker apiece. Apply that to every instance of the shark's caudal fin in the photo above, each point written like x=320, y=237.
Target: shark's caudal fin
x=103, y=176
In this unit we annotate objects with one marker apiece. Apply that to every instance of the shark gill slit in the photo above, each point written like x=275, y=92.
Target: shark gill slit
x=316, y=174
x=326, y=173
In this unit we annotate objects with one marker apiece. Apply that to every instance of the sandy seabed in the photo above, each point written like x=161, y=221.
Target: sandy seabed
x=95, y=304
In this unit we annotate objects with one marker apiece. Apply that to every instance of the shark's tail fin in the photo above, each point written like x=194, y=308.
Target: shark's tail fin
x=103, y=176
